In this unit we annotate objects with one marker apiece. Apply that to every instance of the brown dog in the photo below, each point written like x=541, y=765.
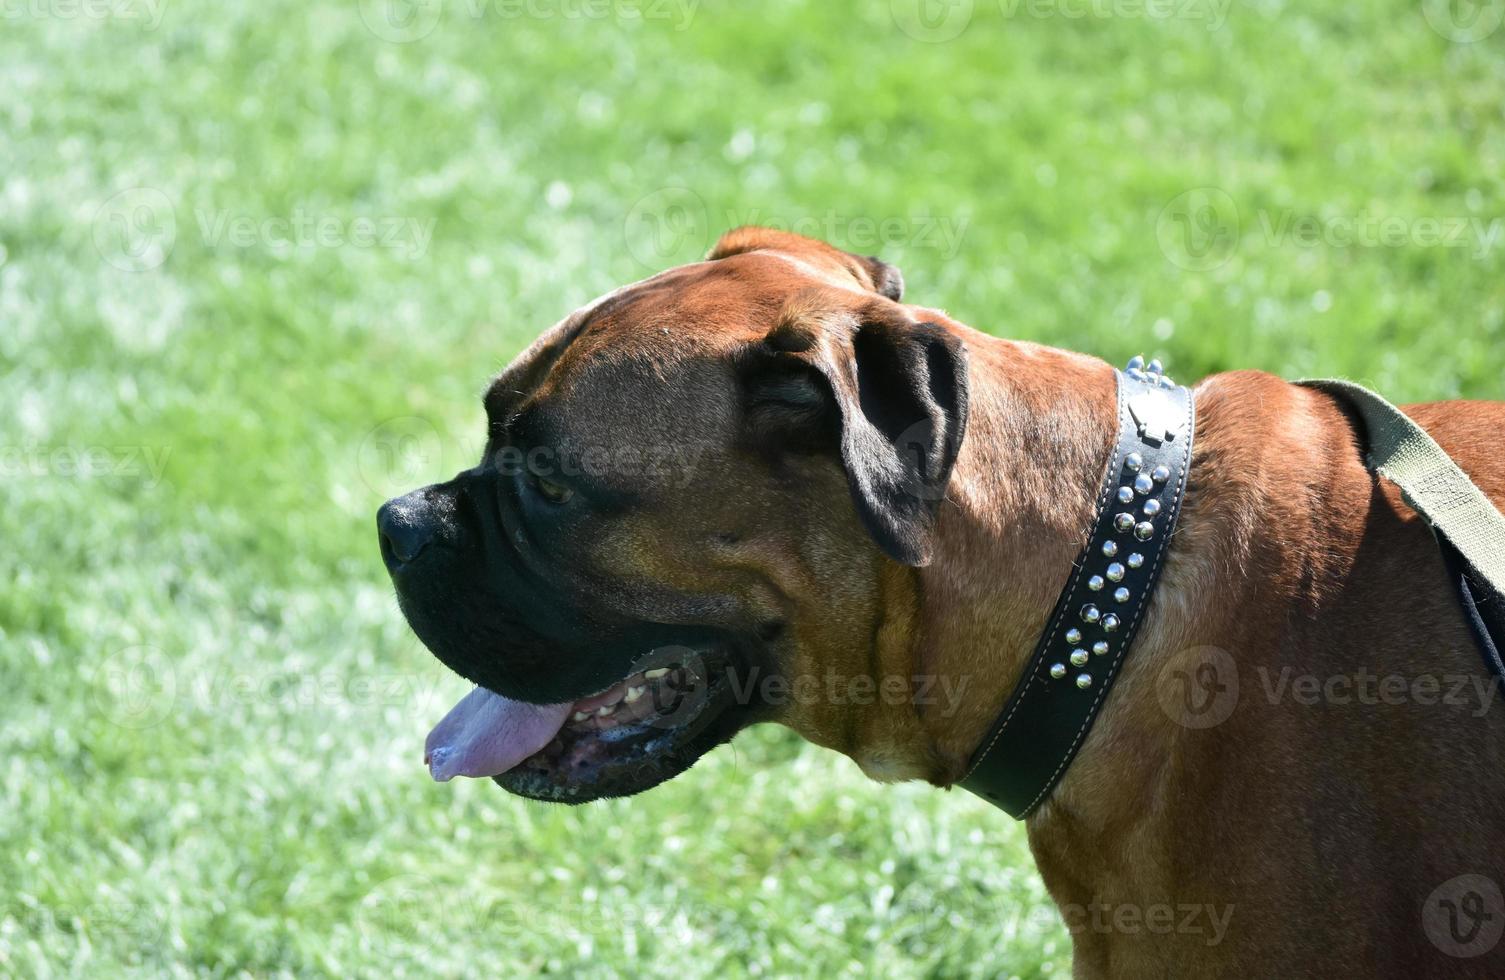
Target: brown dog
x=814, y=504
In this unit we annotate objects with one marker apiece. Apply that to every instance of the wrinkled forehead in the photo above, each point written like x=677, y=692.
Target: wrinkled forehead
x=713, y=305
x=652, y=363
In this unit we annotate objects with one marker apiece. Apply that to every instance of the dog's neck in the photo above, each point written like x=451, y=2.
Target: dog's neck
x=1041, y=423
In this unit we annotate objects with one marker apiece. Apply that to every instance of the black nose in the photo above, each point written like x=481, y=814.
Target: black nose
x=405, y=525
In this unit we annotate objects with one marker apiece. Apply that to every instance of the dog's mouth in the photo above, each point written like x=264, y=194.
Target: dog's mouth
x=640, y=731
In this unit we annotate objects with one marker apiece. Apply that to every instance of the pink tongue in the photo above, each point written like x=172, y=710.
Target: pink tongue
x=486, y=734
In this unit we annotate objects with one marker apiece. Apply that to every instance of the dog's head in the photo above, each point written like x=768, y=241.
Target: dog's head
x=697, y=493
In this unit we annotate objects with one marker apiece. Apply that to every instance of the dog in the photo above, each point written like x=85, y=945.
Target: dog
x=762, y=487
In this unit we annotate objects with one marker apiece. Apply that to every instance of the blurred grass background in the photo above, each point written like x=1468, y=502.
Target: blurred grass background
x=257, y=261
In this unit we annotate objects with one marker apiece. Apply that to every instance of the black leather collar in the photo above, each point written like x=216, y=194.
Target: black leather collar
x=1063, y=686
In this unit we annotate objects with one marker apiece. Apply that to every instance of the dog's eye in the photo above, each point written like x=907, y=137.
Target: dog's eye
x=554, y=493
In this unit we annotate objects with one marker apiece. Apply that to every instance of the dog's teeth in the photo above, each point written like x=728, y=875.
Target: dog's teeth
x=580, y=716
x=633, y=693
x=655, y=673
x=605, y=710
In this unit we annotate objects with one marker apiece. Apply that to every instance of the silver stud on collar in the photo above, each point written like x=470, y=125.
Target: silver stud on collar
x=1160, y=474
x=1091, y=614
x=1126, y=494
x=1100, y=648
x=1115, y=572
x=1073, y=636
x=1078, y=657
x=1058, y=671
x=1136, y=560
x=1124, y=522
x=1144, y=530
x=1151, y=508
x=1111, y=623
x=1133, y=462
x=1143, y=484
x=1151, y=373
x=1096, y=583
x=1084, y=681
x=1120, y=595
x=1110, y=548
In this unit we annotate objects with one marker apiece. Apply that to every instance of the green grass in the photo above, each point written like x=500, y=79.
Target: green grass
x=213, y=714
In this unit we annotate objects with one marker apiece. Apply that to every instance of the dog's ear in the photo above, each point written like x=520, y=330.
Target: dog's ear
x=869, y=271
x=891, y=394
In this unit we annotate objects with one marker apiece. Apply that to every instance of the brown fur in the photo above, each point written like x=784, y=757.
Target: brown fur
x=1321, y=829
